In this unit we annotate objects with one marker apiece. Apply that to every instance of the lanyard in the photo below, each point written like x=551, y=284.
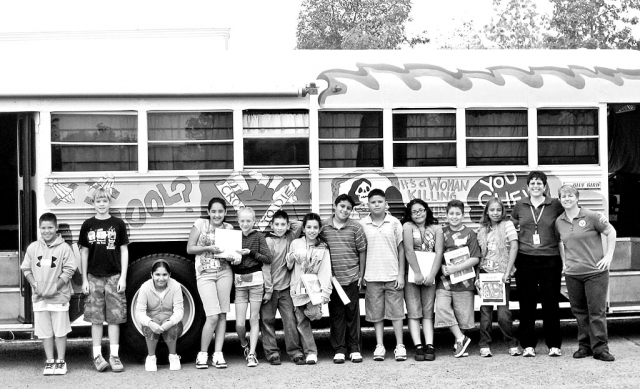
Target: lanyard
x=534, y=217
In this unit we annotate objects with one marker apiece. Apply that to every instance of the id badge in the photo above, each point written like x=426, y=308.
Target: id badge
x=536, y=239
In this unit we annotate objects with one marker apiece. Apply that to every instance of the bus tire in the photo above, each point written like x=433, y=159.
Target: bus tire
x=183, y=271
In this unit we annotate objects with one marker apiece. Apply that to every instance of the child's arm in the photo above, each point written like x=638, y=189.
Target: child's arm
x=84, y=259
x=324, y=276
x=263, y=254
x=295, y=227
x=290, y=257
x=410, y=254
x=361, y=246
x=28, y=273
x=437, y=262
x=401, y=261
x=268, y=282
x=178, y=309
x=69, y=267
x=513, y=253
x=124, y=265
x=192, y=244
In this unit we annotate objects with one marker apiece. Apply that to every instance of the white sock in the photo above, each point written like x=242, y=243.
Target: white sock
x=97, y=350
x=114, y=348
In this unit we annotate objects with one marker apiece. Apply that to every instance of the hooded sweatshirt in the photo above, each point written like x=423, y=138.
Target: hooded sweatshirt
x=48, y=263
x=152, y=305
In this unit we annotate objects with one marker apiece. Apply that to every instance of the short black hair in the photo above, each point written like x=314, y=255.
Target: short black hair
x=280, y=214
x=537, y=174
x=48, y=217
x=455, y=204
x=376, y=192
x=344, y=197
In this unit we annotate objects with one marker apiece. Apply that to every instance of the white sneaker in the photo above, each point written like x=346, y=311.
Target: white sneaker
x=338, y=358
x=555, y=352
x=400, y=353
x=61, y=367
x=150, y=364
x=174, y=362
x=217, y=360
x=514, y=351
x=485, y=352
x=252, y=361
x=378, y=353
x=312, y=359
x=355, y=357
x=529, y=352
x=49, y=367
x=201, y=360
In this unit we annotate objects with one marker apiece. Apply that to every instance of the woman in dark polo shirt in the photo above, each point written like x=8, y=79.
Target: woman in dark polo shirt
x=538, y=264
x=586, y=272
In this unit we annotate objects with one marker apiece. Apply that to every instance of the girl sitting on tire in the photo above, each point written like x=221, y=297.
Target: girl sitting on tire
x=159, y=308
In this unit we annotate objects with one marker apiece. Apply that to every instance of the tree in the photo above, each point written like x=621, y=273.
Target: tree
x=355, y=24
x=603, y=24
x=517, y=25
x=465, y=37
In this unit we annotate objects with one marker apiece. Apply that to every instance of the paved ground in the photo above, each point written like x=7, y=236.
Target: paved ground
x=22, y=364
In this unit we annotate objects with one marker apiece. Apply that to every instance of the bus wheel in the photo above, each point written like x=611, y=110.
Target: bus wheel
x=182, y=270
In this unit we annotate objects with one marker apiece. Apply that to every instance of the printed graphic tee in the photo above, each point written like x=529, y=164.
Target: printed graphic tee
x=103, y=238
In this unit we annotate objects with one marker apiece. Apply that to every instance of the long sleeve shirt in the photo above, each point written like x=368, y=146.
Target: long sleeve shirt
x=160, y=306
x=318, y=259
x=259, y=254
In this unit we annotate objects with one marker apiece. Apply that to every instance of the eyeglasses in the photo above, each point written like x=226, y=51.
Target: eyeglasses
x=418, y=212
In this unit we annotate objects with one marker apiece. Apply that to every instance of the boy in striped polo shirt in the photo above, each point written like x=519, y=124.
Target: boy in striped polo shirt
x=384, y=273
x=348, y=245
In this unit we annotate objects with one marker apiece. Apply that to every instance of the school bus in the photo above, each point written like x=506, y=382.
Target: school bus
x=168, y=128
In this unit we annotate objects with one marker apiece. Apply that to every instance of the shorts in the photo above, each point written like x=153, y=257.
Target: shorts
x=171, y=335
x=215, y=291
x=244, y=294
x=104, y=303
x=50, y=323
x=454, y=307
x=420, y=300
x=383, y=302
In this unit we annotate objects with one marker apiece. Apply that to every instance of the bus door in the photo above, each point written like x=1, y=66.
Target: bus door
x=18, y=217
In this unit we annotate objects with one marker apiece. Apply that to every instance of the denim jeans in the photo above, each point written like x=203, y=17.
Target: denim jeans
x=281, y=301
x=505, y=322
x=345, y=320
x=588, y=298
x=306, y=334
x=539, y=276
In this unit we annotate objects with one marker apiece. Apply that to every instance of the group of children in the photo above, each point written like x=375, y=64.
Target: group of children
x=329, y=264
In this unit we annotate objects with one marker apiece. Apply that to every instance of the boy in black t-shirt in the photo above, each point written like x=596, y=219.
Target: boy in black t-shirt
x=105, y=258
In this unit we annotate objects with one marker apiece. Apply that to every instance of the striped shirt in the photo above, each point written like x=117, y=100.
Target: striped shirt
x=345, y=244
x=382, y=249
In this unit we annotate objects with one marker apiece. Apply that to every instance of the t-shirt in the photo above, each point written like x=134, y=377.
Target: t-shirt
x=346, y=244
x=454, y=240
x=206, y=263
x=582, y=242
x=382, y=248
x=103, y=238
x=494, y=259
x=522, y=217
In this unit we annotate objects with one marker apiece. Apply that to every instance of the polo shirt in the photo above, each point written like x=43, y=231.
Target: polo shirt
x=346, y=244
x=382, y=248
x=582, y=242
x=522, y=217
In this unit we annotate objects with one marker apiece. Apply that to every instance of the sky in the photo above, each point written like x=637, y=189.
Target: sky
x=253, y=24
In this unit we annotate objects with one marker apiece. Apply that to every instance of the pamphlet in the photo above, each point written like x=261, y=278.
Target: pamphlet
x=456, y=257
x=229, y=241
x=338, y=288
x=492, y=289
x=425, y=261
x=312, y=287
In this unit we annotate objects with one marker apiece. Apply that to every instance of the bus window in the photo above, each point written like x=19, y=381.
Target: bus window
x=424, y=138
x=275, y=138
x=496, y=137
x=350, y=139
x=190, y=140
x=567, y=136
x=94, y=141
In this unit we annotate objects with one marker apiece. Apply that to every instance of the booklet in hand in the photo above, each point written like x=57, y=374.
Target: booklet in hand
x=492, y=289
x=313, y=288
x=456, y=257
x=425, y=261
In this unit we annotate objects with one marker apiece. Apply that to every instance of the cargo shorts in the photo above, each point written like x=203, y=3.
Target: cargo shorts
x=104, y=303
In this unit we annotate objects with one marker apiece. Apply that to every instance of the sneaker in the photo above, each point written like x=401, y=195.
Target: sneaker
x=582, y=353
x=312, y=359
x=275, y=360
x=514, y=351
x=604, y=356
x=299, y=360
x=338, y=358
x=529, y=352
x=252, y=361
x=355, y=357
x=461, y=347
x=378, y=353
x=201, y=360
x=430, y=353
x=555, y=352
x=485, y=352
x=400, y=353
x=151, y=363
x=61, y=367
x=49, y=367
x=174, y=362
x=217, y=360
x=100, y=363
x=116, y=364
x=419, y=355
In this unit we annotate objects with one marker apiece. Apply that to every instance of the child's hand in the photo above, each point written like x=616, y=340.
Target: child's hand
x=85, y=287
x=122, y=285
x=243, y=251
x=399, y=282
x=266, y=298
x=155, y=327
x=428, y=281
x=449, y=269
x=34, y=290
x=506, y=278
x=418, y=278
x=214, y=249
x=325, y=300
